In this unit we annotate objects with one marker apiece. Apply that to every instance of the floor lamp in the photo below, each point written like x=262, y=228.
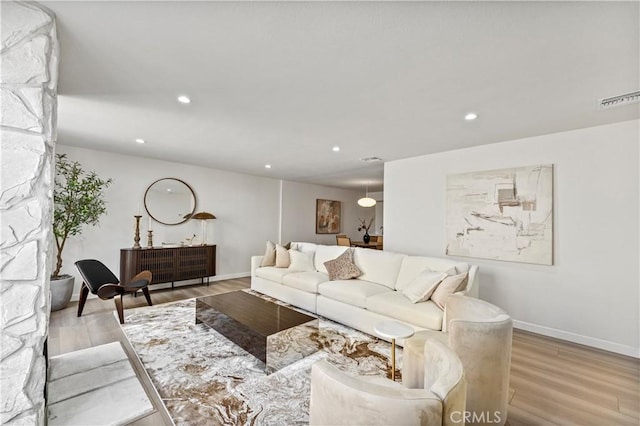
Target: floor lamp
x=203, y=216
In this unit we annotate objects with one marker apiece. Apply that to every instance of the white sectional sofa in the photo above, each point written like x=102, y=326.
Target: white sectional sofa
x=360, y=303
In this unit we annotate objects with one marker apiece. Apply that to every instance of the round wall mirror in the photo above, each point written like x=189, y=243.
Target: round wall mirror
x=170, y=201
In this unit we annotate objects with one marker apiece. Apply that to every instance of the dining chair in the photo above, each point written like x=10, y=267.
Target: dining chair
x=99, y=280
x=379, y=242
x=343, y=240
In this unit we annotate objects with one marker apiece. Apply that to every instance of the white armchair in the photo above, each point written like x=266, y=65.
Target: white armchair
x=480, y=333
x=339, y=398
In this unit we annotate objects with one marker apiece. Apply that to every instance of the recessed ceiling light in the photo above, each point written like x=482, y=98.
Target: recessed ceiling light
x=267, y=166
x=184, y=99
x=140, y=140
x=471, y=116
x=336, y=149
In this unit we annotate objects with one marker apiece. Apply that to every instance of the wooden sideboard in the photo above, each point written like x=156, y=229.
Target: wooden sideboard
x=169, y=264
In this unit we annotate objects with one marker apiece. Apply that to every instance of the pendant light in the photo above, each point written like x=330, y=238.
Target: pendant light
x=366, y=201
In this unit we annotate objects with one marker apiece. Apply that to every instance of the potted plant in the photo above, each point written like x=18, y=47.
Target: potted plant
x=78, y=199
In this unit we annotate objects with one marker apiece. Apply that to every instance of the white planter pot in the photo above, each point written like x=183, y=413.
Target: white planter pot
x=61, y=291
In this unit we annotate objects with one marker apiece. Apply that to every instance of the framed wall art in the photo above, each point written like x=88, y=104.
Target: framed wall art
x=328, y=216
x=504, y=214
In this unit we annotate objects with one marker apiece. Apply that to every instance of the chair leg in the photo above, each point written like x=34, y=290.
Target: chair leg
x=84, y=292
x=119, y=307
x=147, y=296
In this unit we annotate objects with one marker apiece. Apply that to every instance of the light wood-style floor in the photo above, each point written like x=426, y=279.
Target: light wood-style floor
x=552, y=381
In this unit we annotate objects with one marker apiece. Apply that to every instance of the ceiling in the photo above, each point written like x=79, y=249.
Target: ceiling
x=281, y=83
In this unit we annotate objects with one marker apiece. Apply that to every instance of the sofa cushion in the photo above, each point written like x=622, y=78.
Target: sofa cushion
x=272, y=273
x=352, y=292
x=301, y=261
x=447, y=287
x=342, y=267
x=377, y=266
x=305, y=281
x=304, y=247
x=412, y=266
x=282, y=256
x=325, y=253
x=396, y=305
x=269, y=258
x=423, y=286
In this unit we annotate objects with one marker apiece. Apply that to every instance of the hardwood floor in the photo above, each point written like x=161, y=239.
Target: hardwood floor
x=552, y=381
x=556, y=382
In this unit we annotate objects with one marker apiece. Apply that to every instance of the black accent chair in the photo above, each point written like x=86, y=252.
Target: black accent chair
x=98, y=279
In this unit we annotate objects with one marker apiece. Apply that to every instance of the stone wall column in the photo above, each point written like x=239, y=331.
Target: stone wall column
x=28, y=103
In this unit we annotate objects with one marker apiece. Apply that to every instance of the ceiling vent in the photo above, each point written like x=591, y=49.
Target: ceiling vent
x=371, y=159
x=621, y=100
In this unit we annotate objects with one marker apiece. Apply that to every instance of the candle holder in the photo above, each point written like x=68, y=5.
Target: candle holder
x=136, y=237
x=149, y=238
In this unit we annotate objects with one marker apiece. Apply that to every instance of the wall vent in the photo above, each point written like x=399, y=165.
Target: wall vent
x=371, y=159
x=620, y=100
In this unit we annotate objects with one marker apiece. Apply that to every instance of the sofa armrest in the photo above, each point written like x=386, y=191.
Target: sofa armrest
x=255, y=264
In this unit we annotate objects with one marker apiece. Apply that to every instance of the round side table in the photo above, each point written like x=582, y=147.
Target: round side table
x=393, y=330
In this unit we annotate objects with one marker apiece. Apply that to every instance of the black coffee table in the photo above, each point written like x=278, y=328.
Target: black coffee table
x=275, y=334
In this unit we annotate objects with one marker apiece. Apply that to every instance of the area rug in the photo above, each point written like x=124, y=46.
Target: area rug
x=205, y=379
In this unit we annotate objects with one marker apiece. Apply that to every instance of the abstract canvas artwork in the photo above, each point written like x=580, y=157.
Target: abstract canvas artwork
x=502, y=214
x=327, y=217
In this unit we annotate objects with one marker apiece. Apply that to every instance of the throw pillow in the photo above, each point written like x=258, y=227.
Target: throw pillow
x=269, y=255
x=282, y=256
x=447, y=287
x=301, y=261
x=342, y=267
x=451, y=271
x=423, y=286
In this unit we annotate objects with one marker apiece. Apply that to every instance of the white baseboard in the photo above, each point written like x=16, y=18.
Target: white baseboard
x=76, y=296
x=230, y=276
x=578, y=338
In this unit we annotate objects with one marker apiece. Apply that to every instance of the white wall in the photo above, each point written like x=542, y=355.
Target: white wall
x=379, y=213
x=299, y=212
x=246, y=209
x=591, y=293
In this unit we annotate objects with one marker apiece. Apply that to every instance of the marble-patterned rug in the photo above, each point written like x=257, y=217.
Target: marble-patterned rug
x=205, y=379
